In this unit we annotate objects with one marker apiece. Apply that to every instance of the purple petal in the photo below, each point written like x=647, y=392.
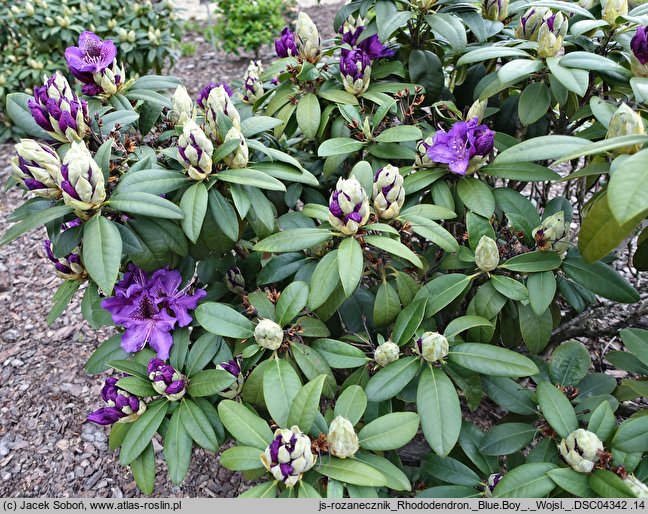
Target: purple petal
x=106, y=416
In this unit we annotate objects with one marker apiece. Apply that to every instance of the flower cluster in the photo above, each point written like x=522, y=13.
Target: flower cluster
x=303, y=43
x=150, y=307
x=289, y=455
x=94, y=63
x=348, y=206
x=431, y=346
x=464, y=140
x=233, y=367
x=388, y=192
x=68, y=267
x=204, y=92
x=581, y=450
x=166, y=379
x=122, y=406
x=36, y=167
x=252, y=85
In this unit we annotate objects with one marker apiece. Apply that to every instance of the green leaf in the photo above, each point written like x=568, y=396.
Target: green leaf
x=280, y=386
x=510, y=287
x=145, y=204
x=308, y=115
x=102, y=252
x=248, y=428
x=222, y=320
x=399, y=134
x=438, y=405
x=395, y=248
x=556, y=409
x=177, y=449
x=292, y=300
x=387, y=305
x=492, y=360
x=432, y=231
x=518, y=69
x=340, y=355
x=572, y=481
x=477, y=196
x=251, y=177
x=628, y=189
x=594, y=62
x=600, y=279
x=408, y=321
x=202, y=352
x=389, y=432
x=491, y=52
x=350, y=471
x=533, y=262
x=62, y=297
x=462, y=323
x=396, y=479
x=293, y=240
x=137, y=386
x=324, y=280
x=351, y=404
x=636, y=340
x=241, y=458
x=131, y=367
x=522, y=171
x=194, y=208
x=305, y=406
x=607, y=485
x=541, y=148
x=18, y=110
x=257, y=124
x=312, y=364
x=442, y=291
x=510, y=395
x=339, y=146
x=35, y=219
x=307, y=491
x=209, y=382
x=542, y=289
x=143, y=469
x=391, y=380
x=224, y=214
x=142, y=431
x=535, y=330
x=449, y=470
x=534, y=103
x=632, y=435
x=265, y=490
x=350, y=264
x=338, y=96
x=197, y=425
x=450, y=28
x=569, y=363
x=602, y=421
x=154, y=181
x=109, y=350
x=526, y=481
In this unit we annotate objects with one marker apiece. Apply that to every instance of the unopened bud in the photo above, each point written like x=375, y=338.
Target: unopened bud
x=626, y=122
x=486, y=254
x=386, y=353
x=342, y=439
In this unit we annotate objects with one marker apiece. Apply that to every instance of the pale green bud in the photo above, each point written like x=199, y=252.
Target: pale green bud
x=551, y=36
x=530, y=22
x=432, y=346
x=487, y=254
x=112, y=23
x=494, y=10
x=110, y=79
x=477, y=110
x=123, y=34
x=424, y=5
x=131, y=36
x=29, y=9
x=388, y=192
x=268, y=334
x=182, y=108
x=195, y=150
x=36, y=167
x=307, y=38
x=422, y=159
x=625, y=122
x=357, y=86
x=342, y=439
x=239, y=157
x=217, y=102
x=553, y=234
x=581, y=450
x=348, y=206
x=613, y=9
x=386, y=353
x=81, y=179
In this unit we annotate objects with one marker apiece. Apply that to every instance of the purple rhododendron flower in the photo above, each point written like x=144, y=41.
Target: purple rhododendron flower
x=371, y=45
x=354, y=63
x=204, y=93
x=93, y=55
x=462, y=142
x=285, y=45
x=639, y=44
x=150, y=307
x=120, y=404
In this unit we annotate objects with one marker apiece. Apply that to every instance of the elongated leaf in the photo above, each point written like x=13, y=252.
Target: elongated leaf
x=102, y=252
x=145, y=204
x=542, y=289
x=339, y=146
x=293, y=240
x=396, y=479
x=350, y=264
x=197, y=425
x=628, y=189
x=408, y=322
x=533, y=262
x=389, y=432
x=526, y=481
x=556, y=409
x=391, y=380
x=340, y=355
x=386, y=306
x=222, y=320
x=351, y=404
x=632, y=435
x=600, y=279
x=241, y=458
x=492, y=360
x=35, y=219
x=142, y=431
x=280, y=386
x=608, y=485
x=395, y=248
x=177, y=448
x=569, y=363
x=439, y=409
x=264, y=490
x=305, y=406
x=541, y=148
x=62, y=298
x=251, y=177
x=143, y=469
x=308, y=115
x=449, y=470
x=248, y=428
x=154, y=181
x=572, y=482
x=194, y=208
x=209, y=382
x=509, y=395
x=350, y=471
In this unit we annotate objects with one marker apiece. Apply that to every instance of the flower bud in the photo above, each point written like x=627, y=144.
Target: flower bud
x=167, y=380
x=613, y=9
x=551, y=34
x=422, y=159
x=348, y=206
x=268, y=334
x=342, y=439
x=57, y=110
x=233, y=367
x=487, y=254
x=252, y=85
x=122, y=406
x=553, y=234
x=288, y=456
x=69, y=267
x=355, y=68
x=285, y=45
x=492, y=482
x=495, y=10
x=131, y=36
x=181, y=107
x=219, y=103
x=81, y=180
x=432, y=346
x=195, y=150
x=639, y=57
x=388, y=192
x=234, y=280
x=29, y=9
x=477, y=110
x=531, y=21
x=307, y=38
x=386, y=353
x=36, y=167
x=204, y=93
x=239, y=157
x=581, y=450
x=424, y=5
x=639, y=489
x=626, y=122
